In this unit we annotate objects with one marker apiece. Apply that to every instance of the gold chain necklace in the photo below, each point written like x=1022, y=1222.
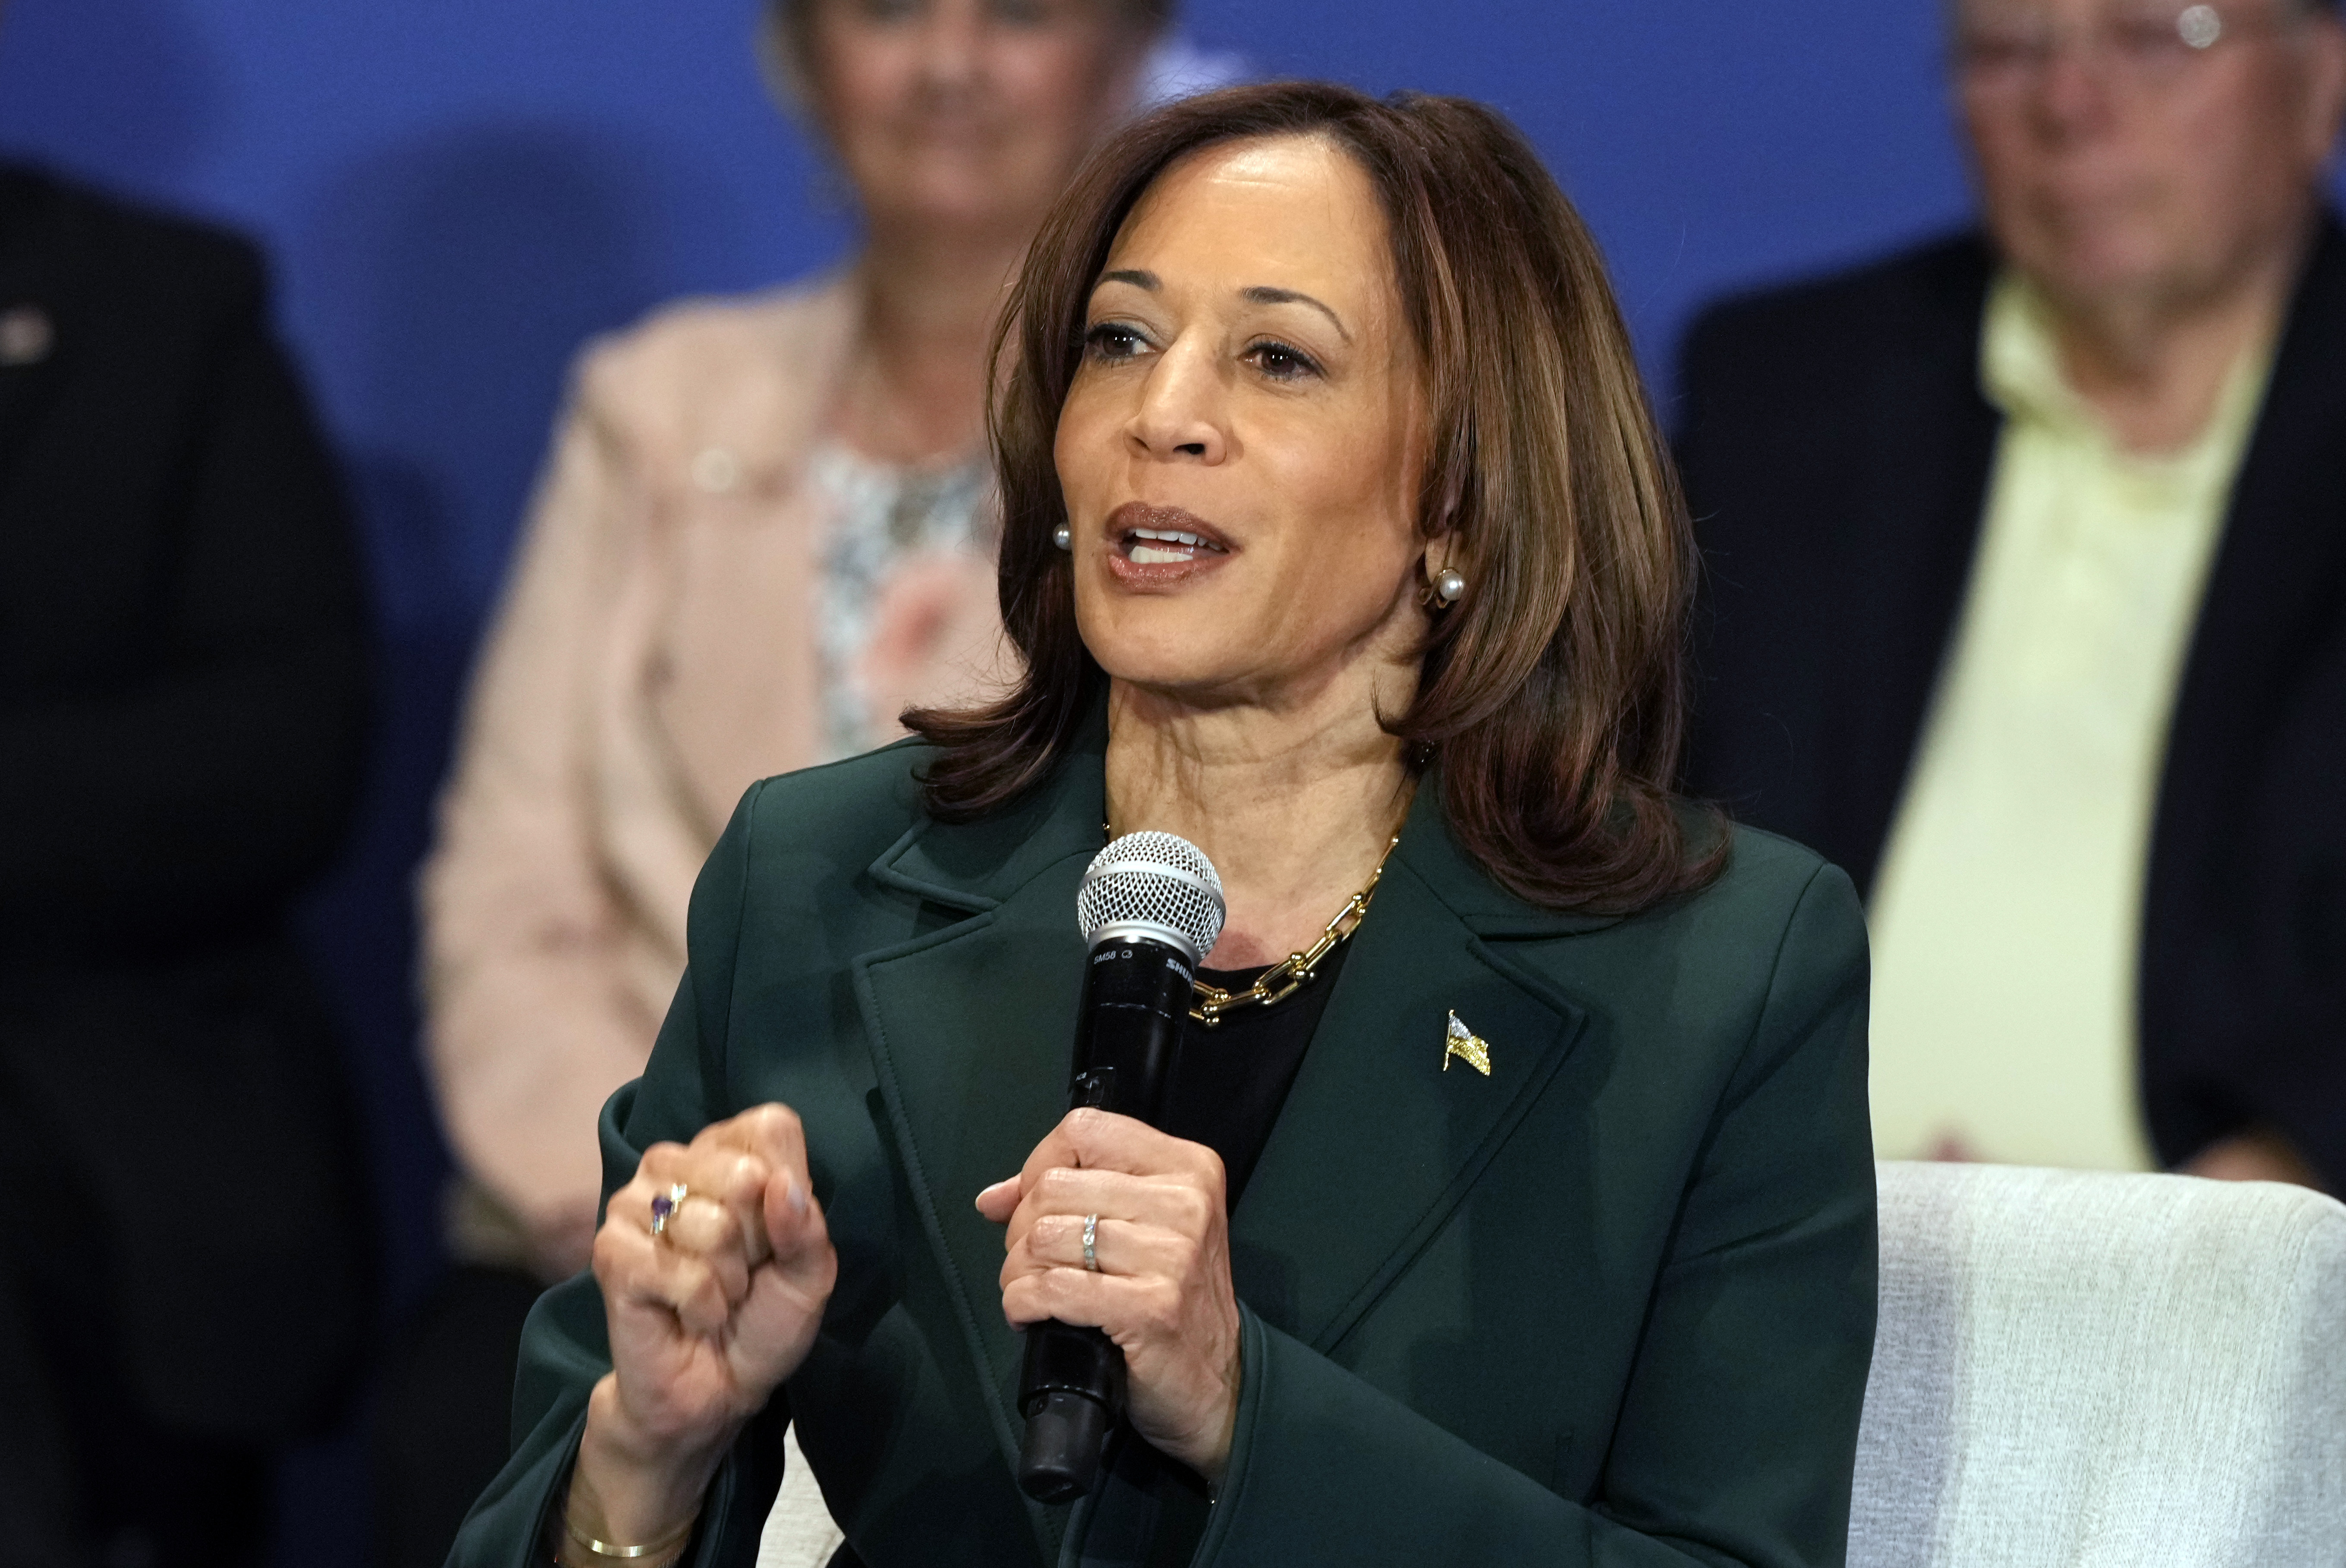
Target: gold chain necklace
x=1297, y=970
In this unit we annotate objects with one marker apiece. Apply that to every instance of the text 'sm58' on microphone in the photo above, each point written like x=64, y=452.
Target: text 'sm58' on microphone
x=1150, y=909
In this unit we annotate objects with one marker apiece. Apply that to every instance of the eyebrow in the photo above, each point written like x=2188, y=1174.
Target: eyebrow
x=1261, y=294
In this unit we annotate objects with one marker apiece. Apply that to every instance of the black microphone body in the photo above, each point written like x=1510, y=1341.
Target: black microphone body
x=1128, y=1031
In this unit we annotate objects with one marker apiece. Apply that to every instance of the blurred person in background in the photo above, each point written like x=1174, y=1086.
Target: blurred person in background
x=2028, y=598
x=765, y=530
x=183, y=702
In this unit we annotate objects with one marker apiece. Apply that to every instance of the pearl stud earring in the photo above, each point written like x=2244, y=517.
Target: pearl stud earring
x=1448, y=586
x=1064, y=537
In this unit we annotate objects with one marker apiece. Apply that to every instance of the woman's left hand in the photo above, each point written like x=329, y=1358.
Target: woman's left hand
x=1162, y=1291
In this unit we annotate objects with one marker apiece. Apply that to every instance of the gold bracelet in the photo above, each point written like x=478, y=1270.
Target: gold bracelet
x=625, y=1553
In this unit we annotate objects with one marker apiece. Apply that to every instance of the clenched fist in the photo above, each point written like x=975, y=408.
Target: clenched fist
x=715, y=1267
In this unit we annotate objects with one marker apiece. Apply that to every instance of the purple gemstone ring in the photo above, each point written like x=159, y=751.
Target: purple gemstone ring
x=664, y=1207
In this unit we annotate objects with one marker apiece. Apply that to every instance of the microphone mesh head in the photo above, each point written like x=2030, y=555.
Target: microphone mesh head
x=1153, y=884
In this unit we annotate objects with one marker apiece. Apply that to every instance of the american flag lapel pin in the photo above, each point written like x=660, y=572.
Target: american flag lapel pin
x=1467, y=1047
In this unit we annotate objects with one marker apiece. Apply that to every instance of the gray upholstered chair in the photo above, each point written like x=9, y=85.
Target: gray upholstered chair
x=2073, y=1371
x=798, y=1532
x=2080, y=1370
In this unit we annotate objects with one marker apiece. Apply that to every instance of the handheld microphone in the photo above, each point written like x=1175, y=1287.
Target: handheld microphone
x=1150, y=909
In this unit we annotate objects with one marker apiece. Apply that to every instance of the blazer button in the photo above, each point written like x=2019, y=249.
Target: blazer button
x=25, y=335
x=716, y=470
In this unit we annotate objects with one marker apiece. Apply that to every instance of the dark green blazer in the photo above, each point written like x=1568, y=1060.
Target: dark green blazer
x=1611, y=1304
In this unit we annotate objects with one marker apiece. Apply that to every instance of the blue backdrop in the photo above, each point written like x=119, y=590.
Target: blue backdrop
x=456, y=192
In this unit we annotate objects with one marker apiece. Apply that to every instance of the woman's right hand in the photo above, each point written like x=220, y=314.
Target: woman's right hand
x=705, y=1318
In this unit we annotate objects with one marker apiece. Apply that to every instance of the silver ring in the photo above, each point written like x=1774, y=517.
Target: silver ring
x=664, y=1207
x=1091, y=1242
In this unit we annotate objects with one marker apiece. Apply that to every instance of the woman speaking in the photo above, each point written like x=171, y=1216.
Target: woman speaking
x=1516, y=1205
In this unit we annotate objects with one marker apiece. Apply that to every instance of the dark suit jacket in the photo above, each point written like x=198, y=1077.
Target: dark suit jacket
x=182, y=697
x=1611, y=1304
x=1837, y=449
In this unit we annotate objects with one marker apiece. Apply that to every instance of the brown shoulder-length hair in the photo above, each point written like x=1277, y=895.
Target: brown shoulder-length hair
x=1551, y=696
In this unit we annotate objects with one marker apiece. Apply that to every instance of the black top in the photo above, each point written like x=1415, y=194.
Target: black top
x=1837, y=449
x=1226, y=1091
x=1230, y=1080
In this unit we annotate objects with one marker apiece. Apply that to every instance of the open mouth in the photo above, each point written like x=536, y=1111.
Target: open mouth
x=1163, y=536
x=1158, y=547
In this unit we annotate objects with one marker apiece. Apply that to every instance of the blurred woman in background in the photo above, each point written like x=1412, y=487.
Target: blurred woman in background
x=765, y=529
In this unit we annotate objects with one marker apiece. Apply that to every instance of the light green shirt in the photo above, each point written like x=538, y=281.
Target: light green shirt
x=2006, y=921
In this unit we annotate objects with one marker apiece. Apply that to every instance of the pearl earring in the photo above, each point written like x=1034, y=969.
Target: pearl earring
x=1448, y=586
x=1064, y=537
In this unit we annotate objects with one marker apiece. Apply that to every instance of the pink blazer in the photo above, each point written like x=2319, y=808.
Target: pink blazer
x=653, y=656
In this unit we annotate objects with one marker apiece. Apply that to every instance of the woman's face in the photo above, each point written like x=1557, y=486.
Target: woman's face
x=967, y=114
x=1242, y=449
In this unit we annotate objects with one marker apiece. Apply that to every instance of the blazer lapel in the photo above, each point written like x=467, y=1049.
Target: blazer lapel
x=1927, y=457
x=2280, y=566
x=969, y=1030
x=2273, y=591
x=33, y=305
x=1377, y=1141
